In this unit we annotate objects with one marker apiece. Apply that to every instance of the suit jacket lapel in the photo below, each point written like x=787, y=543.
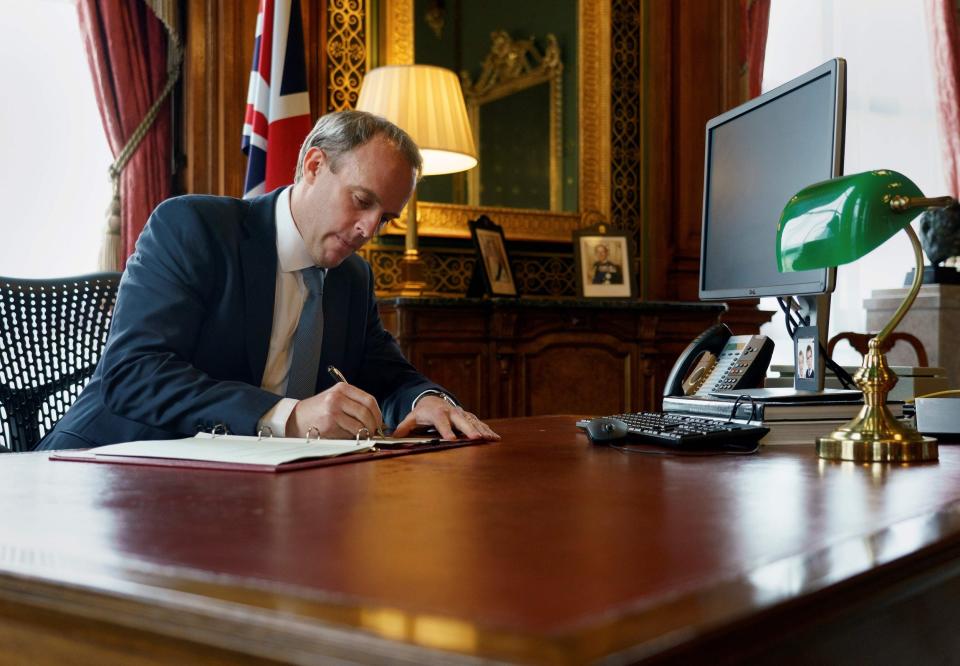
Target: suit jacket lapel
x=258, y=259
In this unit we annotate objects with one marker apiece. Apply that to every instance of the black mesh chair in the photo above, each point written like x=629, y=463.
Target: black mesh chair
x=52, y=334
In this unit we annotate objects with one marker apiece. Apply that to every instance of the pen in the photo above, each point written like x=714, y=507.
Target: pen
x=336, y=374
x=338, y=377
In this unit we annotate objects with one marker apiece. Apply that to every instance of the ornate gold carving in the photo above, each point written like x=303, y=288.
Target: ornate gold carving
x=435, y=17
x=398, y=32
x=449, y=273
x=594, y=111
x=593, y=126
x=386, y=267
x=346, y=52
x=450, y=269
x=450, y=221
x=545, y=275
x=512, y=66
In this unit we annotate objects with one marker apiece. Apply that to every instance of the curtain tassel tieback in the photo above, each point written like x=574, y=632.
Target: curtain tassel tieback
x=111, y=247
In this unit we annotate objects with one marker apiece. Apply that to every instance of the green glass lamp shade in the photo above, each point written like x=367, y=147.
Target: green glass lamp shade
x=840, y=220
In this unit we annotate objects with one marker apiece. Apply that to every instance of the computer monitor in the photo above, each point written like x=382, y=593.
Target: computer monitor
x=758, y=155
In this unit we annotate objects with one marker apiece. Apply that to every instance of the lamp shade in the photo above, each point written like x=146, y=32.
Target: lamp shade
x=838, y=221
x=427, y=103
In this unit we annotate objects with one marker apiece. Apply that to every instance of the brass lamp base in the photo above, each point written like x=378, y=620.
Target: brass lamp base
x=876, y=436
x=413, y=275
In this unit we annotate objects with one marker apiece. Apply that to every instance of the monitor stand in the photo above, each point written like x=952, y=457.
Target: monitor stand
x=817, y=309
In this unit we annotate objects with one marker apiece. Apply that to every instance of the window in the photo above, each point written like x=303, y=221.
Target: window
x=54, y=173
x=891, y=123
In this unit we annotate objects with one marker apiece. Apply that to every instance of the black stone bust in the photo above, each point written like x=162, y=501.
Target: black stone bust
x=940, y=238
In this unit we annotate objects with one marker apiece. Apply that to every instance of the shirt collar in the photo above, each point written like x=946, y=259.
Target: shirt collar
x=292, y=253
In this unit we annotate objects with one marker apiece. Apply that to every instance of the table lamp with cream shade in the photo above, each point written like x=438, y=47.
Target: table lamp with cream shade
x=427, y=103
x=836, y=222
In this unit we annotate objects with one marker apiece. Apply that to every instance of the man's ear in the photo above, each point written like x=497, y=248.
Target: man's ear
x=313, y=162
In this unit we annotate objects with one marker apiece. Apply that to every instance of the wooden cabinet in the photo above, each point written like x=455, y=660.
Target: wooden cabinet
x=525, y=357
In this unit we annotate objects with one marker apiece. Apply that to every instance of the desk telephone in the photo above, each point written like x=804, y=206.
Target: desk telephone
x=717, y=360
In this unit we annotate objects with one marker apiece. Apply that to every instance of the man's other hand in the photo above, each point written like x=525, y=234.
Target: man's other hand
x=339, y=412
x=434, y=411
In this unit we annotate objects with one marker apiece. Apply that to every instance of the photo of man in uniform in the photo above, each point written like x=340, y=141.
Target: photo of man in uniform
x=809, y=359
x=605, y=271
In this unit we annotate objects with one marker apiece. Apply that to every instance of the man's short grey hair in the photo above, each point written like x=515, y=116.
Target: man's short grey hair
x=336, y=134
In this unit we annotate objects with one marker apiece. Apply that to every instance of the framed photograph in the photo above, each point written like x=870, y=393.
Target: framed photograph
x=806, y=357
x=604, y=260
x=492, y=258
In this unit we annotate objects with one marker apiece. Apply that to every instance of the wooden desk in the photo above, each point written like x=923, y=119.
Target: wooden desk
x=541, y=548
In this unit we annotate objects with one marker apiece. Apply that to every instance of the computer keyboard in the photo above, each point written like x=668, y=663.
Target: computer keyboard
x=681, y=431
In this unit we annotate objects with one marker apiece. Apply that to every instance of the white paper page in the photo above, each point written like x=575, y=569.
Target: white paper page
x=235, y=449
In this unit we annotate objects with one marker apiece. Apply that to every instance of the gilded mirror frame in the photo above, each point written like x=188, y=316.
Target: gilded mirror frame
x=593, y=134
x=512, y=66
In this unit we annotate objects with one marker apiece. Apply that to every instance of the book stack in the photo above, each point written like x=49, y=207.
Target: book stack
x=790, y=422
x=911, y=381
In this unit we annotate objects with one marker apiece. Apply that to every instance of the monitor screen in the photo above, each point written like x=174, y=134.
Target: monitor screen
x=758, y=155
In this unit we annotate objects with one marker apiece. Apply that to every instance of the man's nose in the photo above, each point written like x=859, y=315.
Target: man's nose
x=366, y=226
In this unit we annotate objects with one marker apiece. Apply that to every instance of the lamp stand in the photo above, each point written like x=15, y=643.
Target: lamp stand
x=413, y=271
x=874, y=435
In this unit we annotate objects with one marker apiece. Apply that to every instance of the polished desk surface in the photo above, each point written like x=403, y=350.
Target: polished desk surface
x=540, y=548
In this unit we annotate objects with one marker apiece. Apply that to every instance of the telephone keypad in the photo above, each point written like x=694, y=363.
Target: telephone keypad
x=733, y=364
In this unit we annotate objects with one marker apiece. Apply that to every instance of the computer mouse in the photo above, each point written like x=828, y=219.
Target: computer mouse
x=606, y=429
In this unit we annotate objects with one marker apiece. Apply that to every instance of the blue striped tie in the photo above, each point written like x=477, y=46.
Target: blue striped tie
x=302, y=380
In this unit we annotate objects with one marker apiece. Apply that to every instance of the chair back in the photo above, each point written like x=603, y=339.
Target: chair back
x=861, y=342
x=52, y=334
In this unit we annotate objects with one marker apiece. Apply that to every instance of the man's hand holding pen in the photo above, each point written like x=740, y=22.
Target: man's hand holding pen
x=337, y=413
x=343, y=410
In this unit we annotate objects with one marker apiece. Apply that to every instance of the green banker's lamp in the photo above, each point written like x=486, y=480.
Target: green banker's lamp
x=836, y=222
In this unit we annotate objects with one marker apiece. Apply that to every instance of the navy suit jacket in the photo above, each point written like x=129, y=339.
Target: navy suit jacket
x=191, y=330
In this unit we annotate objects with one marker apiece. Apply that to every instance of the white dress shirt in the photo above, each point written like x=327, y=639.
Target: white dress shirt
x=289, y=297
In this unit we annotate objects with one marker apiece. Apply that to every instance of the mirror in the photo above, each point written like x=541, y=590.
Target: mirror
x=582, y=172
x=518, y=89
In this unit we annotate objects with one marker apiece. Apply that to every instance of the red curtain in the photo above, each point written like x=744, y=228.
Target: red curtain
x=754, y=17
x=942, y=19
x=126, y=47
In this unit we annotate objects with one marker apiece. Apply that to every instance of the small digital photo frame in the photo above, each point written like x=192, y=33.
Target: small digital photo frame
x=806, y=358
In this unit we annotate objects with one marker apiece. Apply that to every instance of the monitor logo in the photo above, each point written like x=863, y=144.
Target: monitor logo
x=752, y=292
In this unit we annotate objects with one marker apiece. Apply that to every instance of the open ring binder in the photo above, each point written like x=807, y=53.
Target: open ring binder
x=219, y=449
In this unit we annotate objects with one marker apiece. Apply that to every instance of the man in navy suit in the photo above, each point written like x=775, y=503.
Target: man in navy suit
x=205, y=330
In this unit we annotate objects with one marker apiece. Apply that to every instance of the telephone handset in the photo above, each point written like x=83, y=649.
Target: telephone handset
x=717, y=360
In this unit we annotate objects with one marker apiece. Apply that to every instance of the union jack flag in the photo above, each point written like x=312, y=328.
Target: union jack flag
x=278, y=108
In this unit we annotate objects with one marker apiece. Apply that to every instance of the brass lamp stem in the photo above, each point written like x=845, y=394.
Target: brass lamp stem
x=413, y=271
x=914, y=288
x=410, y=240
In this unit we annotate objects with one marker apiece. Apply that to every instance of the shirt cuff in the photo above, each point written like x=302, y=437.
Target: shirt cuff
x=276, y=418
x=439, y=394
